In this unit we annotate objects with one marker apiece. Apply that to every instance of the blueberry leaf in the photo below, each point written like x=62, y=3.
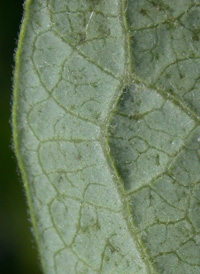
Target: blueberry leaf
x=106, y=133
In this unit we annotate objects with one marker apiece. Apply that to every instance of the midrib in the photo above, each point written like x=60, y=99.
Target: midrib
x=128, y=217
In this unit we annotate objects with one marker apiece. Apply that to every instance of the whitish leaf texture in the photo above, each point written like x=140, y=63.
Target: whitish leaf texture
x=106, y=131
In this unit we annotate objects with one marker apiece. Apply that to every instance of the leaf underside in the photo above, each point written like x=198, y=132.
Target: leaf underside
x=106, y=131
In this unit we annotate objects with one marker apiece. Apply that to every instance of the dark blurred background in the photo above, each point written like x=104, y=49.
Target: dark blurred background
x=18, y=252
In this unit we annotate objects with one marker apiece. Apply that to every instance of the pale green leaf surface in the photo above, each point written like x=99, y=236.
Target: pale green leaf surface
x=106, y=131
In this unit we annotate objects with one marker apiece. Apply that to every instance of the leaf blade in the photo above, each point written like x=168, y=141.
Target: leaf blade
x=53, y=157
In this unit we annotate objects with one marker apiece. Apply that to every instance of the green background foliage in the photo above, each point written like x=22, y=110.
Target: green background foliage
x=17, y=248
